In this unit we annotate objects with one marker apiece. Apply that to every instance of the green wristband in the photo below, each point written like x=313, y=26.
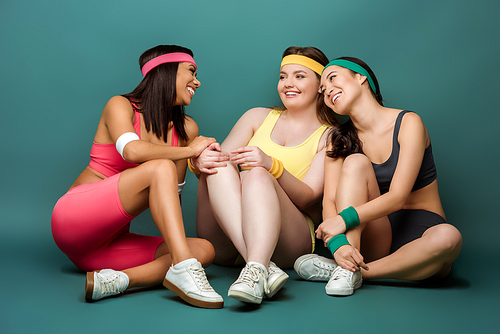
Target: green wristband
x=350, y=217
x=336, y=242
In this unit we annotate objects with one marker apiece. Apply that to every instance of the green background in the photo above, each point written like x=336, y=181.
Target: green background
x=62, y=60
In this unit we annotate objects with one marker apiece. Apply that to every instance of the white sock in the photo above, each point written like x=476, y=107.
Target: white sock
x=259, y=265
x=185, y=263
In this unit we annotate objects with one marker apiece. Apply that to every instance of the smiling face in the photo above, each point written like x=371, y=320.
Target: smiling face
x=340, y=87
x=298, y=86
x=186, y=83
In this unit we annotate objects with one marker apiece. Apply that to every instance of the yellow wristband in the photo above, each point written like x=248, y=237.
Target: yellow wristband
x=277, y=168
x=192, y=169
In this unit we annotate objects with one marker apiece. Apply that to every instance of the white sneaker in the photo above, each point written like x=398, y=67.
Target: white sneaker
x=250, y=285
x=191, y=284
x=104, y=283
x=275, y=280
x=313, y=267
x=343, y=282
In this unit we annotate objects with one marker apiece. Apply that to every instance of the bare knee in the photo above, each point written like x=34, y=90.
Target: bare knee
x=445, y=240
x=356, y=165
x=203, y=250
x=160, y=168
x=256, y=177
x=164, y=166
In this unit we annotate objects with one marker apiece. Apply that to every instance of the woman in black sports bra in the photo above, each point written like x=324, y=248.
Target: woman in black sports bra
x=382, y=212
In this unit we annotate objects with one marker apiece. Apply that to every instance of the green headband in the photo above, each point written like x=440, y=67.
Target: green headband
x=353, y=67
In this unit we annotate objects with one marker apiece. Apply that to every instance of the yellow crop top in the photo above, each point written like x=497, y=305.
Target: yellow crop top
x=296, y=159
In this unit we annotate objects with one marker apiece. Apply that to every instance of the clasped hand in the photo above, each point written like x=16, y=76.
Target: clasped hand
x=346, y=256
x=251, y=156
x=210, y=158
x=247, y=156
x=329, y=228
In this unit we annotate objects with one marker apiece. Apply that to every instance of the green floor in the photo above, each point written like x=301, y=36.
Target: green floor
x=43, y=293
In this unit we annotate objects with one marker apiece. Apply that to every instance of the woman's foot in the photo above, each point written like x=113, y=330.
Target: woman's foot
x=275, y=280
x=191, y=284
x=105, y=283
x=343, y=282
x=313, y=267
x=250, y=285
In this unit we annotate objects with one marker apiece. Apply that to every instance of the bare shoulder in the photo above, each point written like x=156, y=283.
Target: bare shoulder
x=255, y=116
x=192, y=128
x=119, y=101
x=411, y=117
x=412, y=121
x=258, y=113
x=118, y=106
x=412, y=127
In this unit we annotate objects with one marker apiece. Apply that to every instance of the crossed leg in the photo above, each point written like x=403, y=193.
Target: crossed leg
x=430, y=255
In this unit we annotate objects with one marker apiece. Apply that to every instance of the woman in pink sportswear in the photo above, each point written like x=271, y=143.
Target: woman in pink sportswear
x=138, y=161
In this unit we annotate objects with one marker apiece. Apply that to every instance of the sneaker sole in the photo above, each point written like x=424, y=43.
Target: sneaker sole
x=193, y=301
x=244, y=297
x=298, y=264
x=277, y=285
x=89, y=286
x=343, y=292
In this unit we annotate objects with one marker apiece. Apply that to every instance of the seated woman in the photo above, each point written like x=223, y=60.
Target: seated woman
x=381, y=203
x=138, y=161
x=269, y=209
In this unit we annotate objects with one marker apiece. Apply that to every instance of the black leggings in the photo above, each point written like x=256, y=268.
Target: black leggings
x=408, y=225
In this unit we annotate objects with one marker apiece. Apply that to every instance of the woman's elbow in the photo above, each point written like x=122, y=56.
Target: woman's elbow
x=131, y=154
x=306, y=202
x=397, y=201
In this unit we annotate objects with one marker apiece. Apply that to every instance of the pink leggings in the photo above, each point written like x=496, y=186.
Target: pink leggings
x=91, y=227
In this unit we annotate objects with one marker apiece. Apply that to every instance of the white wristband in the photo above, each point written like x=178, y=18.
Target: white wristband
x=124, y=139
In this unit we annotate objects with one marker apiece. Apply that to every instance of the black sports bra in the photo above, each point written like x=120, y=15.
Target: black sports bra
x=385, y=171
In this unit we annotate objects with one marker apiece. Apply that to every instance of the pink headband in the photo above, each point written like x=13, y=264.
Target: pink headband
x=174, y=57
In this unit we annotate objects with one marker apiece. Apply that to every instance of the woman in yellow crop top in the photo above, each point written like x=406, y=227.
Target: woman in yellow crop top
x=268, y=210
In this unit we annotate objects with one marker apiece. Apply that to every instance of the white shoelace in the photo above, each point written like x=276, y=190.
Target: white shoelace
x=109, y=285
x=325, y=269
x=340, y=272
x=249, y=275
x=201, y=278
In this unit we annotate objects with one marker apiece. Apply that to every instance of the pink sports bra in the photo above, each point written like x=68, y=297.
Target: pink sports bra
x=105, y=159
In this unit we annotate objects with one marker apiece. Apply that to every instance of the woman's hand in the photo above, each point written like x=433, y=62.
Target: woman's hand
x=211, y=158
x=200, y=143
x=330, y=227
x=251, y=156
x=349, y=258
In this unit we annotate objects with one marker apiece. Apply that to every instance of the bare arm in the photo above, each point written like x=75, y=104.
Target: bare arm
x=118, y=116
x=413, y=140
x=244, y=129
x=308, y=191
x=216, y=156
